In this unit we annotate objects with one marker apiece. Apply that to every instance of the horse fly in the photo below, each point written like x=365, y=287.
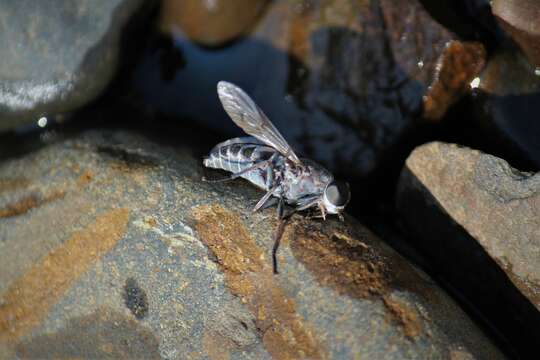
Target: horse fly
x=266, y=160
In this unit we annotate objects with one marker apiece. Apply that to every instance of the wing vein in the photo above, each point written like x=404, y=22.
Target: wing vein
x=250, y=118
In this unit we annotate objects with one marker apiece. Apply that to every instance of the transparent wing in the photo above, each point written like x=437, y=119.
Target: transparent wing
x=248, y=116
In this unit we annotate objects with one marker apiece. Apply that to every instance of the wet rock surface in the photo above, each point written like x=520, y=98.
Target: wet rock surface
x=520, y=20
x=458, y=65
x=478, y=219
x=210, y=22
x=349, y=112
x=125, y=252
x=57, y=56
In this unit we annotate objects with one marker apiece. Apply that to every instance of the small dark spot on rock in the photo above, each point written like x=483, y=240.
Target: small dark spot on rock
x=212, y=257
x=85, y=178
x=244, y=325
x=133, y=158
x=135, y=298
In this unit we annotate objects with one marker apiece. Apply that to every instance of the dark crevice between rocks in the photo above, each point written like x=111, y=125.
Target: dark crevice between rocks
x=470, y=123
x=469, y=19
x=462, y=266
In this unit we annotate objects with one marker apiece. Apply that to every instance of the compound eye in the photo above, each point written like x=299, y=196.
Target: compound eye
x=337, y=193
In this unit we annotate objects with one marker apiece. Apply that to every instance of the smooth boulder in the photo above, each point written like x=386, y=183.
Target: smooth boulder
x=476, y=220
x=57, y=55
x=112, y=246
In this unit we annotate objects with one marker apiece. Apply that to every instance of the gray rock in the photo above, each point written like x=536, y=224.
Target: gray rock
x=111, y=246
x=459, y=203
x=57, y=56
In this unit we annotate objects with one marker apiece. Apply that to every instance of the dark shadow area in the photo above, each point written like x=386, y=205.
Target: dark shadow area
x=469, y=19
x=355, y=135
x=472, y=123
x=104, y=334
x=456, y=260
x=514, y=120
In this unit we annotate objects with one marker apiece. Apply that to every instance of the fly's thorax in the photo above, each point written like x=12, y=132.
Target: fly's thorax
x=305, y=180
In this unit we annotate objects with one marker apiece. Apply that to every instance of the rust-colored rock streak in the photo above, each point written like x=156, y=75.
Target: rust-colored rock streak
x=458, y=65
x=217, y=347
x=7, y=185
x=29, y=202
x=353, y=268
x=29, y=298
x=249, y=276
x=407, y=318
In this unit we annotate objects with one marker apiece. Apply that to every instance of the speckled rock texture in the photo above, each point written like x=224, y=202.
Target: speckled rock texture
x=112, y=247
x=471, y=213
x=57, y=55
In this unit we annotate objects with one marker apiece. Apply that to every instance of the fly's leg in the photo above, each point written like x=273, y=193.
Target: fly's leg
x=269, y=203
x=310, y=202
x=282, y=216
x=272, y=184
x=265, y=198
x=323, y=211
x=238, y=174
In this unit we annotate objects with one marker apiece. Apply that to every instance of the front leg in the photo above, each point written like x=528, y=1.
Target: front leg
x=306, y=203
x=323, y=210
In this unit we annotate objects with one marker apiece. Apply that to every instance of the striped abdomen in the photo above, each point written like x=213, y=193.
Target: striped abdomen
x=238, y=154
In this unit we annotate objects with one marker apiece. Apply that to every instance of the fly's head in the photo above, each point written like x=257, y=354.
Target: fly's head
x=335, y=197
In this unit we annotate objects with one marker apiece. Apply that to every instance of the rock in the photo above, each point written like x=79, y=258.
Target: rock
x=125, y=252
x=458, y=65
x=477, y=221
x=57, y=56
x=432, y=55
x=509, y=73
x=520, y=20
x=210, y=22
x=350, y=112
